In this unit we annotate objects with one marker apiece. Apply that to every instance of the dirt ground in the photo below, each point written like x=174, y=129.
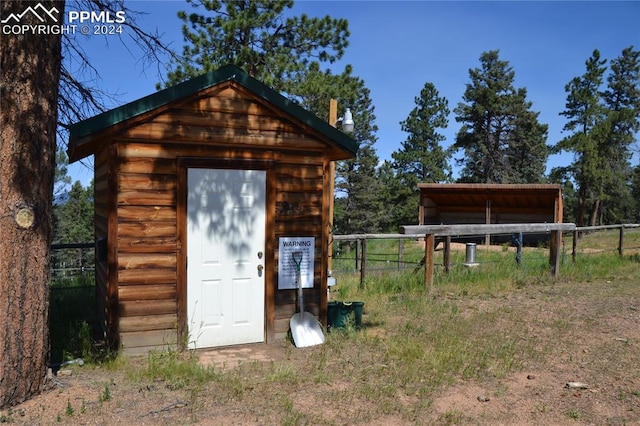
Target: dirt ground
x=589, y=375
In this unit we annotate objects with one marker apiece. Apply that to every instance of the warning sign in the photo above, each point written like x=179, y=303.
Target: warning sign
x=296, y=261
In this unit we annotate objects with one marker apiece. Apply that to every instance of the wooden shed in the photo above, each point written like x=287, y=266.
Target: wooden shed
x=201, y=192
x=475, y=203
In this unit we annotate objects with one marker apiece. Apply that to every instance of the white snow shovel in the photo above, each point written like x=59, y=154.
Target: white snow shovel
x=305, y=328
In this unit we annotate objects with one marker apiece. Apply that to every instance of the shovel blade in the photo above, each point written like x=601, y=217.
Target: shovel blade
x=306, y=330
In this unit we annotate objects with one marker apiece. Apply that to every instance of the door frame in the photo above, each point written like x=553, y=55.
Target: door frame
x=184, y=163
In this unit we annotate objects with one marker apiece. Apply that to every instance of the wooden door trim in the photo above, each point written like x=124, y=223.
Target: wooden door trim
x=185, y=163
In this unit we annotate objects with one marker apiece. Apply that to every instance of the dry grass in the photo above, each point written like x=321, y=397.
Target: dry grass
x=512, y=336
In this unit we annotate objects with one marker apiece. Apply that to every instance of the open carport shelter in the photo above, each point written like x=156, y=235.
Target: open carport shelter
x=478, y=203
x=196, y=186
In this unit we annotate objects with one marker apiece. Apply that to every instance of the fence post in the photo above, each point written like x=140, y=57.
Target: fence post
x=621, y=241
x=357, y=256
x=447, y=254
x=574, y=246
x=400, y=252
x=363, y=263
x=554, y=252
x=428, y=261
x=518, y=239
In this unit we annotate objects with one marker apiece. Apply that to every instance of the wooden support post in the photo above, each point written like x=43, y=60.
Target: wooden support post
x=554, y=252
x=487, y=220
x=333, y=117
x=400, y=252
x=574, y=246
x=621, y=240
x=357, y=256
x=429, y=245
x=447, y=254
x=363, y=263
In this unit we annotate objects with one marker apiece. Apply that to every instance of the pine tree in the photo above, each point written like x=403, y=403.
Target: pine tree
x=562, y=176
x=256, y=36
x=500, y=136
x=286, y=54
x=73, y=223
x=604, y=125
x=43, y=89
x=30, y=69
x=527, y=151
x=585, y=114
x=635, y=194
x=385, y=176
x=356, y=179
x=62, y=179
x=420, y=157
x=622, y=102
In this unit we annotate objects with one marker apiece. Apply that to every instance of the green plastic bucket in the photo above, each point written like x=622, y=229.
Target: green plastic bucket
x=358, y=307
x=333, y=309
x=339, y=314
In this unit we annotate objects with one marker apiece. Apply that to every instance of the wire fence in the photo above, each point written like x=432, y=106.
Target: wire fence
x=72, y=265
x=621, y=239
x=72, y=301
x=364, y=254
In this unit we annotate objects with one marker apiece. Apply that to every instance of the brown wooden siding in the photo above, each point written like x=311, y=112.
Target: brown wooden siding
x=147, y=249
x=147, y=238
x=229, y=130
x=140, y=342
x=489, y=203
x=299, y=197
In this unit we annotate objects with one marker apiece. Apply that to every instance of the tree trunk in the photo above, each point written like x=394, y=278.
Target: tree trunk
x=594, y=213
x=30, y=70
x=582, y=201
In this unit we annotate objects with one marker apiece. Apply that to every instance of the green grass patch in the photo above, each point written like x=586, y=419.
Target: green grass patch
x=178, y=370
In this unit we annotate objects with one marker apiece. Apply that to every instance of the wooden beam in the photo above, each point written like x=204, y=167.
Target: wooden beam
x=429, y=244
x=354, y=237
x=554, y=252
x=447, y=254
x=182, y=332
x=487, y=220
x=270, y=262
x=560, y=206
x=147, y=322
x=363, y=263
x=621, y=241
x=333, y=117
x=479, y=229
x=113, y=241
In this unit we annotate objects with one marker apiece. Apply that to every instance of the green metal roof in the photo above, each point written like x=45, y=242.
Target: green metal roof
x=227, y=73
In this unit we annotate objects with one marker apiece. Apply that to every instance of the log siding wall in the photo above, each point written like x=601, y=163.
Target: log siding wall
x=142, y=221
x=299, y=212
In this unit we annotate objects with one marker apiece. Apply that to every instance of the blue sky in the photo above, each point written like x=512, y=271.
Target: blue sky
x=398, y=46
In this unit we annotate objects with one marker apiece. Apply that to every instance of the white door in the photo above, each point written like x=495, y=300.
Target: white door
x=225, y=256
